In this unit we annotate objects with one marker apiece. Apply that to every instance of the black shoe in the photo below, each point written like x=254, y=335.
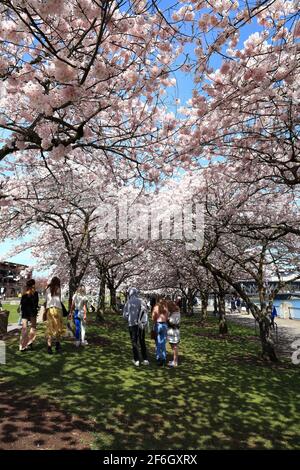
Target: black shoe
x=50, y=350
x=159, y=362
x=30, y=347
x=23, y=350
x=58, y=347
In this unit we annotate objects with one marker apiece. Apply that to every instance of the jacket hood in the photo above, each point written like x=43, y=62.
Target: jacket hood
x=133, y=292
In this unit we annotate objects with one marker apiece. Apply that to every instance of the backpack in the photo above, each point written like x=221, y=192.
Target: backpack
x=143, y=320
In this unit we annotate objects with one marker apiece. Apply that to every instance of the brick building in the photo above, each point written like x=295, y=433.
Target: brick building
x=11, y=280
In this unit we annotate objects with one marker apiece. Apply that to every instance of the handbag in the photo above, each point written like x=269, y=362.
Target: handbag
x=64, y=310
x=42, y=315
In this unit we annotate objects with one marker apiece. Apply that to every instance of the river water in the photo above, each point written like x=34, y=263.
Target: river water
x=288, y=308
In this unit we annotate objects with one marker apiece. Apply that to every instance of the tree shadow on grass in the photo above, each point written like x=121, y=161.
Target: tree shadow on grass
x=30, y=422
x=209, y=402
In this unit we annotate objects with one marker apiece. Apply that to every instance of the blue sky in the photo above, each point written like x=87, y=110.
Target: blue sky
x=23, y=258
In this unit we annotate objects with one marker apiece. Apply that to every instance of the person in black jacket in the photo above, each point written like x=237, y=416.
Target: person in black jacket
x=29, y=309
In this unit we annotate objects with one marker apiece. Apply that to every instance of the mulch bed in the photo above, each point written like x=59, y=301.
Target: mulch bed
x=96, y=340
x=106, y=324
x=33, y=423
x=254, y=360
x=227, y=337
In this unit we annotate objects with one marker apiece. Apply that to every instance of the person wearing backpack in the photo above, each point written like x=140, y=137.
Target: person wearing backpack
x=135, y=312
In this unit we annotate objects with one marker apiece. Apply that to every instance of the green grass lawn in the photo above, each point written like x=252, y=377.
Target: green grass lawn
x=13, y=314
x=220, y=397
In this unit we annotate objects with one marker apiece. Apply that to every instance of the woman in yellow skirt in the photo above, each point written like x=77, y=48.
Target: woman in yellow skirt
x=55, y=326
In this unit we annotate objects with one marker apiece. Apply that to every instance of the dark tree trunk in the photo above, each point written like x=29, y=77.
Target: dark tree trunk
x=72, y=286
x=204, y=305
x=223, y=328
x=268, y=349
x=101, y=300
x=184, y=305
x=113, y=298
x=190, y=299
x=75, y=279
x=216, y=308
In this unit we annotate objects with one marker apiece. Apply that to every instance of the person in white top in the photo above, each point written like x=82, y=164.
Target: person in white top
x=79, y=307
x=173, y=333
x=55, y=326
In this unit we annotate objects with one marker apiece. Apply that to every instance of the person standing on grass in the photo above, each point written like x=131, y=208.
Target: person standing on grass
x=232, y=304
x=160, y=317
x=29, y=309
x=152, y=302
x=173, y=333
x=79, y=307
x=135, y=310
x=55, y=326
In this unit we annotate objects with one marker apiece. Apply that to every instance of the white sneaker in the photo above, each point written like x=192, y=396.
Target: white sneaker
x=136, y=363
x=173, y=364
x=84, y=343
x=77, y=344
x=146, y=363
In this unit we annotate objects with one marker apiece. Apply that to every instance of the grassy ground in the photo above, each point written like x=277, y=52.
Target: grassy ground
x=220, y=397
x=13, y=314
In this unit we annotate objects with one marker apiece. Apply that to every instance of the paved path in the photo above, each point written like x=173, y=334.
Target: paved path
x=288, y=331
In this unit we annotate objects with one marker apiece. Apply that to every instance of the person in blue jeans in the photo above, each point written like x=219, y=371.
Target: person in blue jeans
x=79, y=307
x=160, y=319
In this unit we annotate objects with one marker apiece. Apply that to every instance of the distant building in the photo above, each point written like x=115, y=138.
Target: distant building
x=11, y=280
x=291, y=285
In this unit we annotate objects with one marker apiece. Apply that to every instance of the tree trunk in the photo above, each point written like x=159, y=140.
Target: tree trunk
x=216, y=308
x=113, y=298
x=268, y=349
x=75, y=279
x=204, y=305
x=72, y=286
x=183, y=305
x=190, y=298
x=101, y=300
x=223, y=329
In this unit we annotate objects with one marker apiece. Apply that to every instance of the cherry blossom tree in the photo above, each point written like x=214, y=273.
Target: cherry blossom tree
x=238, y=246
x=61, y=207
x=246, y=110
x=87, y=77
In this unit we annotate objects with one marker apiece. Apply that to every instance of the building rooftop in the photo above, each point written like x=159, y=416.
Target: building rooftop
x=8, y=263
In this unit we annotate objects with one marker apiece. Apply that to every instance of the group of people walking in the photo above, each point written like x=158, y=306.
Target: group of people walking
x=53, y=312
x=165, y=316
x=166, y=327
